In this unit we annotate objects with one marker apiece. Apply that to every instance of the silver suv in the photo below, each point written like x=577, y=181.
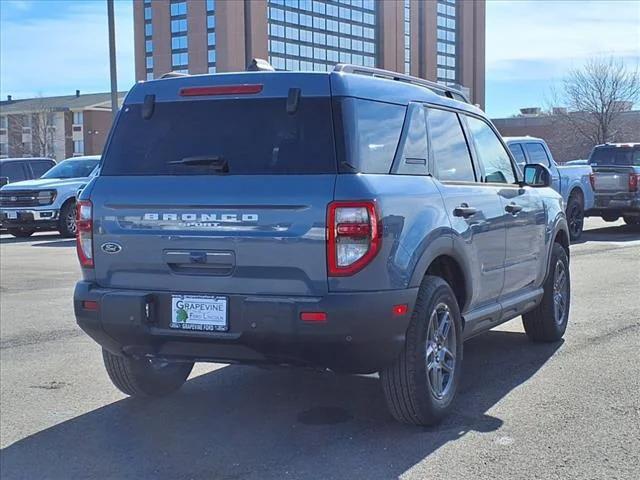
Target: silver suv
x=360, y=221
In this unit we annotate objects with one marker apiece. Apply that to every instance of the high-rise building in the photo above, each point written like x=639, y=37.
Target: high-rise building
x=440, y=40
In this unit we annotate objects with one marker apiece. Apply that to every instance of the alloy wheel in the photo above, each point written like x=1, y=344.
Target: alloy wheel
x=560, y=290
x=441, y=351
x=70, y=220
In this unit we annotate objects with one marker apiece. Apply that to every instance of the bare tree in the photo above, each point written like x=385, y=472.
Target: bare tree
x=596, y=96
x=38, y=125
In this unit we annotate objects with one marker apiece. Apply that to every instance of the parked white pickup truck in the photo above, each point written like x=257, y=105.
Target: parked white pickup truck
x=570, y=181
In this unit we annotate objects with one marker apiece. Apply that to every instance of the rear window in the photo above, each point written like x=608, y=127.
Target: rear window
x=624, y=156
x=253, y=136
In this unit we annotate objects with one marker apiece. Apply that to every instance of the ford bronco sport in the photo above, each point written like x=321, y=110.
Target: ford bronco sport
x=357, y=220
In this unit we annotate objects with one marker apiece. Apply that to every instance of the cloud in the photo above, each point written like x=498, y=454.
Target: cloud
x=532, y=45
x=46, y=50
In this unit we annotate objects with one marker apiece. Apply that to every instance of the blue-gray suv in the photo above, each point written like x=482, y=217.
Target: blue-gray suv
x=357, y=220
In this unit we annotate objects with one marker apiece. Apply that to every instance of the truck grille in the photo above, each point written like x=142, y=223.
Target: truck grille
x=19, y=198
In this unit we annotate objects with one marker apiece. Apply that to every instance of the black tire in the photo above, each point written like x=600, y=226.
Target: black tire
x=141, y=378
x=20, y=232
x=610, y=218
x=631, y=220
x=546, y=323
x=67, y=221
x=575, y=216
x=407, y=385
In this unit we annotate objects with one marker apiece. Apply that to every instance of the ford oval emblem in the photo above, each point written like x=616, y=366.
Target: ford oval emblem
x=111, y=247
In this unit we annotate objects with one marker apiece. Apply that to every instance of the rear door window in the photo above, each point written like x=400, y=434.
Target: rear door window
x=518, y=153
x=450, y=151
x=490, y=152
x=411, y=158
x=253, y=136
x=14, y=171
x=537, y=153
x=371, y=134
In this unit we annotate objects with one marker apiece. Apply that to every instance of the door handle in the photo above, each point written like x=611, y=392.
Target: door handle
x=513, y=209
x=464, y=211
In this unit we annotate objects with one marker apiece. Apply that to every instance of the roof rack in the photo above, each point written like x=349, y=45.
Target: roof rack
x=438, y=88
x=174, y=75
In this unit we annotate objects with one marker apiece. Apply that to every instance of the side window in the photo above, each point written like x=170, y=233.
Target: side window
x=491, y=153
x=411, y=158
x=40, y=167
x=14, y=171
x=371, y=133
x=537, y=153
x=518, y=153
x=450, y=151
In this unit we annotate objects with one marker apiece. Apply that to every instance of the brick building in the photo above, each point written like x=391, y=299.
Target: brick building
x=565, y=143
x=56, y=127
x=440, y=40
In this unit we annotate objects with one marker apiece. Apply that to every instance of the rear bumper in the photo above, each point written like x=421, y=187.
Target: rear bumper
x=29, y=218
x=624, y=203
x=361, y=334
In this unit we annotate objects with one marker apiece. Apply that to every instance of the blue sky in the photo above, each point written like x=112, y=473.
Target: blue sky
x=53, y=47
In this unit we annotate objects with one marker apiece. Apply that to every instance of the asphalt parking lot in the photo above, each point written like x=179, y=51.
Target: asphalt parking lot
x=566, y=410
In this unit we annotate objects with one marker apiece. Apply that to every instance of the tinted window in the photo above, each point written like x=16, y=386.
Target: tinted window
x=537, y=153
x=615, y=156
x=13, y=171
x=518, y=153
x=40, y=167
x=255, y=136
x=72, y=169
x=371, y=134
x=450, y=151
x=491, y=153
x=411, y=158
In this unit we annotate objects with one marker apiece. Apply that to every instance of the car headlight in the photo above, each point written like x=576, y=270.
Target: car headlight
x=46, y=197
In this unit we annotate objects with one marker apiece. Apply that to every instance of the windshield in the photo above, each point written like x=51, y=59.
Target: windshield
x=72, y=169
x=624, y=156
x=254, y=136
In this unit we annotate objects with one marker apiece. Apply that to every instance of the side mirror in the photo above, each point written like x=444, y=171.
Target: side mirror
x=4, y=181
x=537, y=175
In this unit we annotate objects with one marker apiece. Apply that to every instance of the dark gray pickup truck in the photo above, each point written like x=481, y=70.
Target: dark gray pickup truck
x=616, y=182
x=359, y=221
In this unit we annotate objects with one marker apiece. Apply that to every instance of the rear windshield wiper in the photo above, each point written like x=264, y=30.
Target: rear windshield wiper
x=216, y=162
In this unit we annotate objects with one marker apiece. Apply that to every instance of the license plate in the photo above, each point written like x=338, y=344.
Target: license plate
x=199, y=312
x=12, y=214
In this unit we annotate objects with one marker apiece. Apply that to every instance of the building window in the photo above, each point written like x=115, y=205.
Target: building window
x=211, y=36
x=179, y=40
x=179, y=60
x=78, y=118
x=317, y=34
x=4, y=151
x=3, y=122
x=148, y=37
x=407, y=37
x=178, y=8
x=78, y=147
x=447, y=20
x=149, y=75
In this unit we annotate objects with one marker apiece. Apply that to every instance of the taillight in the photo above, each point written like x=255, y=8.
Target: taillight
x=84, y=233
x=634, y=179
x=354, y=236
x=592, y=179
